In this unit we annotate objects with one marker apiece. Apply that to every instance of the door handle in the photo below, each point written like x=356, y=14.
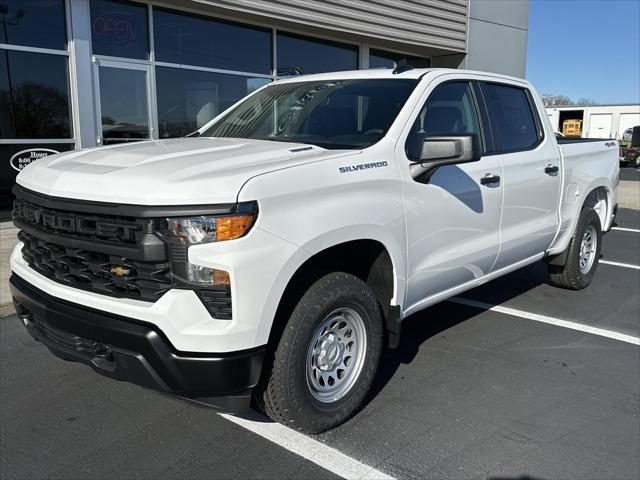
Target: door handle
x=490, y=180
x=551, y=169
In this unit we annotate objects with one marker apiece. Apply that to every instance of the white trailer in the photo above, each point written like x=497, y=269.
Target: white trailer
x=599, y=121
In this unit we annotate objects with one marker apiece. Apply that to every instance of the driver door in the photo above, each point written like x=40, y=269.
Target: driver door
x=452, y=218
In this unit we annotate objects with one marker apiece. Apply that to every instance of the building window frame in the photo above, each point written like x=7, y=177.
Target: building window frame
x=72, y=93
x=363, y=50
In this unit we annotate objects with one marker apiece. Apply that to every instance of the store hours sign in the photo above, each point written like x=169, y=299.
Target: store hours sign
x=26, y=157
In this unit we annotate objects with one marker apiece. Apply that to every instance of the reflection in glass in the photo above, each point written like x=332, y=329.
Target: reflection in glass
x=34, y=105
x=119, y=29
x=299, y=55
x=193, y=40
x=123, y=105
x=339, y=114
x=188, y=99
x=385, y=59
x=512, y=122
x=33, y=23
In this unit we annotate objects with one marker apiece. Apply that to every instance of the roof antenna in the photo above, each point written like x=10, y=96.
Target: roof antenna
x=402, y=66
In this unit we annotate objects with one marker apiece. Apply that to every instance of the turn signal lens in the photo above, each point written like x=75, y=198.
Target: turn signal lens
x=228, y=228
x=206, y=229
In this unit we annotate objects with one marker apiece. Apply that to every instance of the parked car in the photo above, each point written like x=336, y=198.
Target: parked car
x=627, y=134
x=276, y=251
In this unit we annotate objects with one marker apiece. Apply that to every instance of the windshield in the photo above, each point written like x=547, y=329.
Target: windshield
x=350, y=114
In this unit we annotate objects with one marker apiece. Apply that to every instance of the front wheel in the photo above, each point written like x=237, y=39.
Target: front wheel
x=583, y=255
x=327, y=357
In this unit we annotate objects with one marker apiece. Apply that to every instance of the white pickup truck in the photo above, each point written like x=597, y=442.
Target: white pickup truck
x=275, y=252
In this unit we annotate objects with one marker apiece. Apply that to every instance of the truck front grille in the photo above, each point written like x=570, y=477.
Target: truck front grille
x=110, y=249
x=105, y=228
x=96, y=272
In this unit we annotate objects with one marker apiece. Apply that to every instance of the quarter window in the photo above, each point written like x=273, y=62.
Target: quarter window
x=512, y=120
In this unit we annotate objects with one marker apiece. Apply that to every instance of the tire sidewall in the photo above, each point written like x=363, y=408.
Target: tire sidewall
x=354, y=294
x=587, y=217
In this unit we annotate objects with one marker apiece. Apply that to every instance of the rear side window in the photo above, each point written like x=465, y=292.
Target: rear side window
x=512, y=120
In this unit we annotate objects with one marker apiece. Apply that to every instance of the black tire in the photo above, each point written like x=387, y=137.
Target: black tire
x=569, y=275
x=286, y=394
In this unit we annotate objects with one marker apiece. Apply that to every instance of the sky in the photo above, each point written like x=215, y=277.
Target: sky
x=585, y=48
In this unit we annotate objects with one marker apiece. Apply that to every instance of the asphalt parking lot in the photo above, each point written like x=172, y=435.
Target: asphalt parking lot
x=471, y=393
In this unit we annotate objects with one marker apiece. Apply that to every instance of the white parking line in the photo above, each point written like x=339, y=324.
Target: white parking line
x=550, y=320
x=618, y=264
x=322, y=455
x=623, y=229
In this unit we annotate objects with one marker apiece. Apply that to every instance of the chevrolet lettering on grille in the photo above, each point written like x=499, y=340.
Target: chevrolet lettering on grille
x=70, y=223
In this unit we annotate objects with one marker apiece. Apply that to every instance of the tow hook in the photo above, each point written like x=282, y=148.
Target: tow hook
x=25, y=318
x=101, y=350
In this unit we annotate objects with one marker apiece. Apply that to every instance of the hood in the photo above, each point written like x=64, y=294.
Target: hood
x=180, y=171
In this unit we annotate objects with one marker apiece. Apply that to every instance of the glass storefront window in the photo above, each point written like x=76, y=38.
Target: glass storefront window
x=14, y=158
x=188, y=99
x=34, y=95
x=123, y=105
x=119, y=29
x=299, y=55
x=198, y=41
x=33, y=23
x=385, y=59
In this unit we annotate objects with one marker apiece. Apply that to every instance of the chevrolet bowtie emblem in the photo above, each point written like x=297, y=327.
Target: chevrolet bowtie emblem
x=120, y=271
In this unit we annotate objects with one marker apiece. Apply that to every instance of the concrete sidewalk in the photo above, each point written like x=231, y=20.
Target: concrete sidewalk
x=629, y=194
x=7, y=241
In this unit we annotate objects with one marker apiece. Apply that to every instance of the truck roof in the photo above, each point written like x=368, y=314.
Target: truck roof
x=388, y=73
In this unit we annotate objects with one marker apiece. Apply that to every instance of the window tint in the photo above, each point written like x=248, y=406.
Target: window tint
x=331, y=114
x=191, y=40
x=119, y=29
x=384, y=59
x=123, y=105
x=33, y=23
x=448, y=110
x=33, y=104
x=188, y=99
x=301, y=55
x=512, y=121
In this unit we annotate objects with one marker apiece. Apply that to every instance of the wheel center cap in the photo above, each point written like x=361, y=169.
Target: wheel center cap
x=329, y=352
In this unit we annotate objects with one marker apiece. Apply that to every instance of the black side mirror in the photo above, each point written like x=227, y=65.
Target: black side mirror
x=439, y=150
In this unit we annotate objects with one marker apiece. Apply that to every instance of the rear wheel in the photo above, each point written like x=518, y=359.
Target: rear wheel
x=327, y=357
x=583, y=255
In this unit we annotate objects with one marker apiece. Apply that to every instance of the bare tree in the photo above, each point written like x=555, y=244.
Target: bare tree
x=551, y=100
x=587, y=102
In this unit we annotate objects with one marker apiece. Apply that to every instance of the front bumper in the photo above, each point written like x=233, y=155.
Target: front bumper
x=137, y=352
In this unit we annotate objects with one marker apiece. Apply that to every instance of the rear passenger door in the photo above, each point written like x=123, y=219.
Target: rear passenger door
x=531, y=172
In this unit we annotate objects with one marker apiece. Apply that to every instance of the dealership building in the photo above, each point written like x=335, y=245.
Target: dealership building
x=85, y=73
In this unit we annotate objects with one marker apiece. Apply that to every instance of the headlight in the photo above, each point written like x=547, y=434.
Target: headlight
x=206, y=229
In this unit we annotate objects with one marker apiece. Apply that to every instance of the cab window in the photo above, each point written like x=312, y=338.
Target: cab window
x=512, y=119
x=449, y=110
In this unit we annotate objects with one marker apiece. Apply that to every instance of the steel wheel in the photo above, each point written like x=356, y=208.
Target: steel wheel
x=335, y=355
x=588, y=249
